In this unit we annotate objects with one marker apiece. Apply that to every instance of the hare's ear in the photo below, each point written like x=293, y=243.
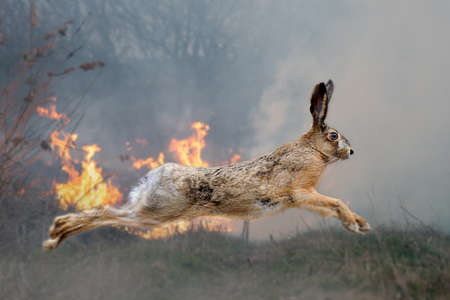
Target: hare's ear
x=319, y=103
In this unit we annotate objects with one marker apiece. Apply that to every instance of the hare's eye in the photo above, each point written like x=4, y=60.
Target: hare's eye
x=332, y=136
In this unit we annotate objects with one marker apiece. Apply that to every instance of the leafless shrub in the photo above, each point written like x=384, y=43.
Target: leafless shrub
x=25, y=88
x=91, y=65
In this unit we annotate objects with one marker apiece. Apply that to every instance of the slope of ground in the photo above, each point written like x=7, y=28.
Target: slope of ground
x=319, y=264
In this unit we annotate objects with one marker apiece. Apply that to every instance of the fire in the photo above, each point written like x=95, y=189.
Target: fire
x=188, y=151
x=85, y=189
x=52, y=114
x=235, y=158
x=149, y=162
x=64, y=145
x=219, y=224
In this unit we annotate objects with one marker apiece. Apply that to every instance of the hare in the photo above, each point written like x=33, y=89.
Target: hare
x=285, y=178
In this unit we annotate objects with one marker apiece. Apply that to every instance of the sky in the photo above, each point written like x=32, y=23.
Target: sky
x=389, y=62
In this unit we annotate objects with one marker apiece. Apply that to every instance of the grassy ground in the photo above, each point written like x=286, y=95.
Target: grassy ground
x=319, y=264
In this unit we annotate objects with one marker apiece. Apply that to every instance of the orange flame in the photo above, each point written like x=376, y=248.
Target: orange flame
x=235, y=158
x=85, y=189
x=188, y=151
x=219, y=224
x=149, y=162
x=52, y=114
x=64, y=145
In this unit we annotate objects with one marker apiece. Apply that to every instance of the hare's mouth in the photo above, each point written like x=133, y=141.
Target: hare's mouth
x=343, y=154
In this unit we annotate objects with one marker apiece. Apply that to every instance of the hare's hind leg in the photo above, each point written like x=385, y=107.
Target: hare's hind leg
x=67, y=225
x=327, y=206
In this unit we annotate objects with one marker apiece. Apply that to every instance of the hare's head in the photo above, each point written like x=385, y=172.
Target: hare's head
x=323, y=138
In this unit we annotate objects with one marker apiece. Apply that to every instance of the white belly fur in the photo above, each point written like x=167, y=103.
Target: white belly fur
x=157, y=189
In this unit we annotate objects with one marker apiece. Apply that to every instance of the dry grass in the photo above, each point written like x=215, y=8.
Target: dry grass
x=320, y=264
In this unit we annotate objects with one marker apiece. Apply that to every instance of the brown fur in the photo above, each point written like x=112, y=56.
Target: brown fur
x=282, y=179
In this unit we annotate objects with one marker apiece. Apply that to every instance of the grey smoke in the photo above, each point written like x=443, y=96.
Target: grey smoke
x=390, y=66
x=389, y=61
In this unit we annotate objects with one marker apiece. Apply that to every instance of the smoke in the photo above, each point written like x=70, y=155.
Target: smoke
x=248, y=70
x=390, y=66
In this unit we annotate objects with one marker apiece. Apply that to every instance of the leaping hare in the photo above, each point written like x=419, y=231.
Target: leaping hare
x=284, y=178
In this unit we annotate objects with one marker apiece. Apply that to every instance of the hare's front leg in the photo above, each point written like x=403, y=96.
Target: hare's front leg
x=333, y=207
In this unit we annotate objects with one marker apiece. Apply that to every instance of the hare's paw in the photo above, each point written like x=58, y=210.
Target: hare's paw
x=363, y=225
x=352, y=226
x=50, y=244
x=358, y=224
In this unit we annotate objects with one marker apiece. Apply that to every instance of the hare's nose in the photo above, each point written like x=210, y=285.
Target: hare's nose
x=351, y=151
